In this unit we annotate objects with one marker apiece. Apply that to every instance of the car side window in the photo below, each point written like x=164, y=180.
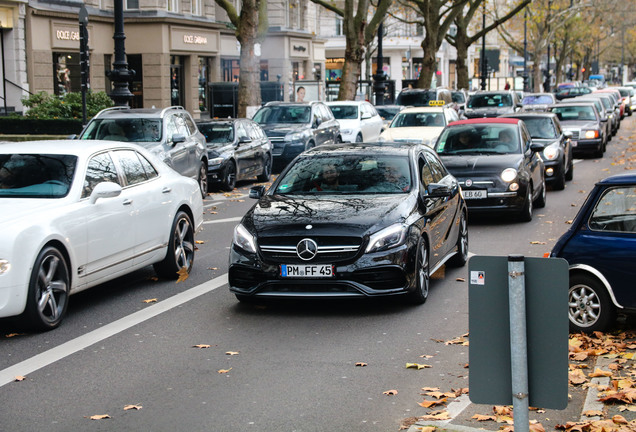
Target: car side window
x=437, y=169
x=526, y=139
x=326, y=113
x=426, y=175
x=133, y=169
x=171, y=127
x=241, y=132
x=192, y=128
x=100, y=169
x=615, y=211
x=251, y=131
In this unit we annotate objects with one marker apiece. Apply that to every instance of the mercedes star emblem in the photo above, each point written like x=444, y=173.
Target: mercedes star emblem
x=469, y=182
x=306, y=249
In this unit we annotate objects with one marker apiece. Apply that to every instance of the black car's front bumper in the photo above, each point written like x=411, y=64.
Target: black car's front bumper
x=497, y=200
x=376, y=274
x=284, y=152
x=588, y=146
x=553, y=169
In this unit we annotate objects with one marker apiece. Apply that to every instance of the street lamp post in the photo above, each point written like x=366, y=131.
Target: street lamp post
x=379, y=79
x=525, y=49
x=120, y=75
x=484, y=68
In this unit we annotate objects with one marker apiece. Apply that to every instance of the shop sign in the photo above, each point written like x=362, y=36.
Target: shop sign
x=192, y=39
x=65, y=35
x=299, y=48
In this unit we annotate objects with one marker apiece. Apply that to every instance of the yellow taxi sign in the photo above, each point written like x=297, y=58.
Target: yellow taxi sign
x=436, y=103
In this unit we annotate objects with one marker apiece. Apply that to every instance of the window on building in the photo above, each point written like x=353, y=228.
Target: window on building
x=339, y=26
x=132, y=4
x=203, y=83
x=293, y=14
x=264, y=70
x=230, y=69
x=195, y=7
x=172, y=6
x=66, y=73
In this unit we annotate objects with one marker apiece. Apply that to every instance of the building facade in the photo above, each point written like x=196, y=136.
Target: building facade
x=177, y=49
x=13, y=69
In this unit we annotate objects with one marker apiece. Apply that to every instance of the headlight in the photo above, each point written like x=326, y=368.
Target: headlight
x=294, y=137
x=509, y=174
x=387, y=238
x=5, y=266
x=551, y=152
x=346, y=131
x=243, y=239
x=215, y=161
x=590, y=134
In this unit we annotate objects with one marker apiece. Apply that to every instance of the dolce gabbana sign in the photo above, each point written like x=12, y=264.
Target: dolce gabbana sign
x=192, y=39
x=66, y=35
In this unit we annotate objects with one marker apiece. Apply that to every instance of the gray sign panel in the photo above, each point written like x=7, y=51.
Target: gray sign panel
x=546, y=288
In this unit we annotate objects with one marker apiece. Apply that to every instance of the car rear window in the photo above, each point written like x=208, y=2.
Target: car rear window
x=489, y=101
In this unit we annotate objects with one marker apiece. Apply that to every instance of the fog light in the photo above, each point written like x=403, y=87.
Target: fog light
x=514, y=187
x=549, y=172
x=5, y=266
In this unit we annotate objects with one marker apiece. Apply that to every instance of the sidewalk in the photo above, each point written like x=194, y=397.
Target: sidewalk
x=601, y=366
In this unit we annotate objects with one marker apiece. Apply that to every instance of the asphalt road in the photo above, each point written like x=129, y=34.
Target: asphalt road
x=275, y=367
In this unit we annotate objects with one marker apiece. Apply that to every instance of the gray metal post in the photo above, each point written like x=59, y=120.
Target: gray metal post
x=518, y=342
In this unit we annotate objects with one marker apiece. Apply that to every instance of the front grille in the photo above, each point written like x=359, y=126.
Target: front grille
x=331, y=250
x=300, y=287
x=575, y=133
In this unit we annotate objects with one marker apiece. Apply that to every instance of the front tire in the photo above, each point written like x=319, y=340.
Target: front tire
x=590, y=308
x=203, y=179
x=49, y=288
x=570, y=174
x=422, y=276
x=267, y=170
x=526, y=212
x=559, y=181
x=460, y=258
x=180, y=252
x=541, y=200
x=229, y=178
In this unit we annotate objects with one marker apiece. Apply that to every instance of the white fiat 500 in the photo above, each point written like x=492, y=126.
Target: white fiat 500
x=74, y=214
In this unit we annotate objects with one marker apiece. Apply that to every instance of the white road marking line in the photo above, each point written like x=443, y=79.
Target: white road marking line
x=46, y=358
x=234, y=219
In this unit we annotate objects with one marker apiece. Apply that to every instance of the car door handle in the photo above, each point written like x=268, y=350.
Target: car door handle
x=166, y=190
x=127, y=202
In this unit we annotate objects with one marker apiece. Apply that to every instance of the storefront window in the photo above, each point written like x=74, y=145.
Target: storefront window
x=334, y=67
x=136, y=86
x=176, y=80
x=230, y=69
x=203, y=84
x=386, y=66
x=67, y=74
x=264, y=70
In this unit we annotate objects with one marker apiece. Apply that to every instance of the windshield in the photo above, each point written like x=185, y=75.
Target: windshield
x=490, y=101
x=416, y=98
x=542, y=128
x=347, y=174
x=344, y=112
x=581, y=112
x=387, y=113
x=217, y=133
x=479, y=140
x=36, y=175
x=534, y=100
x=418, y=120
x=137, y=130
x=283, y=114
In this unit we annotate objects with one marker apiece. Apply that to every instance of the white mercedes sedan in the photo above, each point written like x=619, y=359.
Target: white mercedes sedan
x=75, y=214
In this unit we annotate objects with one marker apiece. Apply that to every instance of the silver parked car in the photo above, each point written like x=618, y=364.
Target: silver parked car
x=169, y=133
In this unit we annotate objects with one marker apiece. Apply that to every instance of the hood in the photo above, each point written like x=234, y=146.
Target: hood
x=488, y=111
x=349, y=123
x=282, y=129
x=579, y=124
x=423, y=133
x=215, y=150
x=26, y=211
x=466, y=165
x=351, y=215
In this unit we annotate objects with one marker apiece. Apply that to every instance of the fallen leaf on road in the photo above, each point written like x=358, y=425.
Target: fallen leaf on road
x=390, y=392
x=20, y=378
x=361, y=364
x=183, y=274
x=224, y=371
x=10, y=335
x=481, y=417
x=600, y=373
x=154, y=300
x=132, y=407
x=199, y=242
x=438, y=415
x=460, y=279
x=232, y=353
x=99, y=417
x=593, y=413
x=538, y=242
x=577, y=377
x=201, y=346
x=417, y=366
x=428, y=404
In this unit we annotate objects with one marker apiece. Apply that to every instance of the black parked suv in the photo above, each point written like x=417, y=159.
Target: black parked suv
x=294, y=127
x=169, y=133
x=492, y=104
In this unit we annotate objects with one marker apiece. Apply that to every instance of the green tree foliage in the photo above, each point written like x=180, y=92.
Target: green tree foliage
x=46, y=106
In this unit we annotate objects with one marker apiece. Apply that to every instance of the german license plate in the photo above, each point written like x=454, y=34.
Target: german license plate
x=308, y=271
x=475, y=194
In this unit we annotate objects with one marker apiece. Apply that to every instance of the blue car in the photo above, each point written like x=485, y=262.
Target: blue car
x=600, y=247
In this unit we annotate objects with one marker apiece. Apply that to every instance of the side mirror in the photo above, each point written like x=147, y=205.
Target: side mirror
x=317, y=122
x=105, y=190
x=436, y=190
x=604, y=119
x=365, y=116
x=244, y=140
x=568, y=134
x=536, y=148
x=178, y=138
x=257, y=192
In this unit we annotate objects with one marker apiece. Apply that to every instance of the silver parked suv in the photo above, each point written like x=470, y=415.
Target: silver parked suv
x=170, y=133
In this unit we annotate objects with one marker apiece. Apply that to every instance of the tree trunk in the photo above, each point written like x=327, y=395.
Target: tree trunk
x=249, y=91
x=461, y=45
x=428, y=63
x=538, y=75
x=354, y=54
